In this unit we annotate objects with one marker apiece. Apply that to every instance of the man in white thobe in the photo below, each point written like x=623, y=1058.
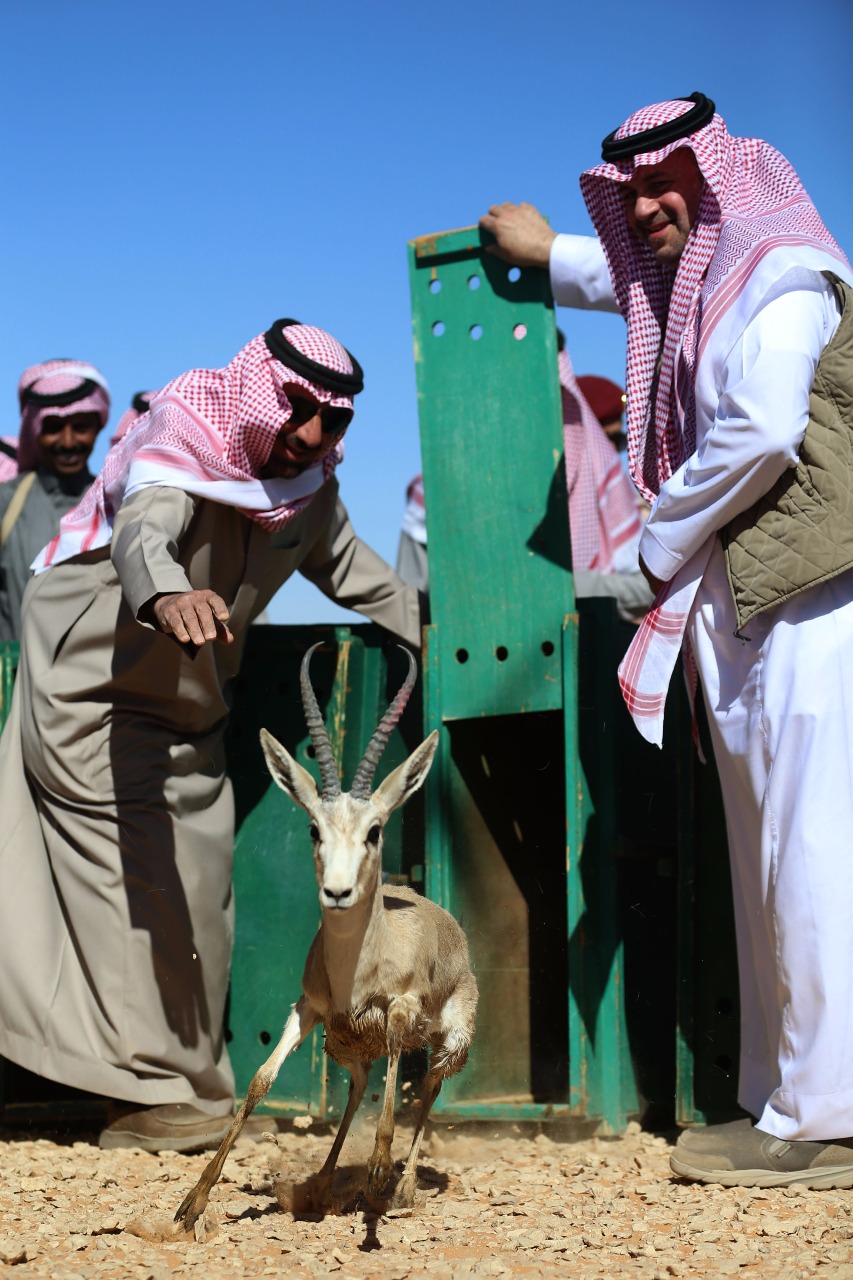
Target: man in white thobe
x=733, y=292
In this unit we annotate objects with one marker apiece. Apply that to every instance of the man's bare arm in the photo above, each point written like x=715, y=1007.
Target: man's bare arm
x=522, y=235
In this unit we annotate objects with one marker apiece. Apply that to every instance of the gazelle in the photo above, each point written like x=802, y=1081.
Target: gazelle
x=387, y=971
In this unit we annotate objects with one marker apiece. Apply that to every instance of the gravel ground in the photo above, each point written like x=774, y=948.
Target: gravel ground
x=488, y=1204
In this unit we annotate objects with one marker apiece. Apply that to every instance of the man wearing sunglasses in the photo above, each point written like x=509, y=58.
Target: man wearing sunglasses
x=115, y=944
x=310, y=433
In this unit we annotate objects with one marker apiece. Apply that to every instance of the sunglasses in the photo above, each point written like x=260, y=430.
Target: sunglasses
x=333, y=419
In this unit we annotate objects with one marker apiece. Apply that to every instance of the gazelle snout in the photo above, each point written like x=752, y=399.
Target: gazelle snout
x=336, y=899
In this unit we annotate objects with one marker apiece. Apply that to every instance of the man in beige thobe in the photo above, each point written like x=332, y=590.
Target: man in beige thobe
x=116, y=919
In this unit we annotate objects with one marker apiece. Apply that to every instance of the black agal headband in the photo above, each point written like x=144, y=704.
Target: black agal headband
x=702, y=111
x=342, y=384
x=59, y=398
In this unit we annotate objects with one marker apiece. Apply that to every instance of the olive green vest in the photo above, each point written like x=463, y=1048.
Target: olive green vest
x=801, y=532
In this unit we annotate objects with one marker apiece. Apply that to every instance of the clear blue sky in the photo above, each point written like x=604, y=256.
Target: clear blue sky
x=179, y=174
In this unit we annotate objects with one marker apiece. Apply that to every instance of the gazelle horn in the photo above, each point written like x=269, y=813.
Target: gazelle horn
x=323, y=754
x=364, y=773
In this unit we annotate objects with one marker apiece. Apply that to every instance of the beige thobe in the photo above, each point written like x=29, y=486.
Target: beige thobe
x=116, y=913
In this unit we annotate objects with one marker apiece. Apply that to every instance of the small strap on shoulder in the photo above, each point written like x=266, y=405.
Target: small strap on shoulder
x=16, y=506
x=842, y=290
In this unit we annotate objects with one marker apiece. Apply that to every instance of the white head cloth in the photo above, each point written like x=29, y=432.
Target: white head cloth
x=414, y=517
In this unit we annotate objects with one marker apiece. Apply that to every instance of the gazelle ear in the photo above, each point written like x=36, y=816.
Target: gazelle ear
x=288, y=774
x=407, y=777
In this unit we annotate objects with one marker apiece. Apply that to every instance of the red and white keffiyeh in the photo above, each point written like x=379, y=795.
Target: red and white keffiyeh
x=139, y=407
x=604, y=518
x=752, y=203
x=210, y=432
x=57, y=378
x=8, y=463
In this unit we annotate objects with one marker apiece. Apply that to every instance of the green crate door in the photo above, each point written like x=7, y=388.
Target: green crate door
x=9, y=653
x=506, y=802
x=491, y=444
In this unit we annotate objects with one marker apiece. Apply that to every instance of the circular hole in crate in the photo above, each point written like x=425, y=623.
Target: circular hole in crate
x=476, y=332
x=264, y=1037
x=438, y=328
x=461, y=655
x=724, y=1062
x=435, y=286
x=501, y=653
x=514, y=274
x=473, y=282
x=547, y=648
x=724, y=1006
x=309, y=751
x=519, y=331
x=229, y=1035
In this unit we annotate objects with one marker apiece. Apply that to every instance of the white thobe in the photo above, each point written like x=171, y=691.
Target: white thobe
x=780, y=702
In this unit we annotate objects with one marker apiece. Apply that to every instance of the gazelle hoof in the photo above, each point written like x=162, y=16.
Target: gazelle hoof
x=404, y=1195
x=192, y=1207
x=379, y=1181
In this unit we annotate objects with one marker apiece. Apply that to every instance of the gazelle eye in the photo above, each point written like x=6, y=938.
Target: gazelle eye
x=373, y=834
x=315, y=831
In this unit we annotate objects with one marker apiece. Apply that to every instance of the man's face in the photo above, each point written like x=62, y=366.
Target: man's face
x=66, y=442
x=311, y=432
x=614, y=428
x=662, y=201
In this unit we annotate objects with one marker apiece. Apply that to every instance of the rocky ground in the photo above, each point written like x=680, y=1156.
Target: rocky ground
x=507, y=1203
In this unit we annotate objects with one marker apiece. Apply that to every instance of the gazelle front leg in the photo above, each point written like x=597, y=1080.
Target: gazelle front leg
x=379, y=1166
x=402, y=1014
x=303, y=1018
x=404, y=1193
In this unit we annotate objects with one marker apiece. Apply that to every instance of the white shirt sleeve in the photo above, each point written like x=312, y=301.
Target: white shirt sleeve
x=760, y=420
x=579, y=274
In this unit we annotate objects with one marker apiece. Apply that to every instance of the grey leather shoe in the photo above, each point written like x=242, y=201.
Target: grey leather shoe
x=739, y=1155
x=172, y=1126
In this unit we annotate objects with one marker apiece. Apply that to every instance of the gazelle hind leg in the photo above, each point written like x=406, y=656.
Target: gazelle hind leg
x=303, y=1018
x=357, y=1086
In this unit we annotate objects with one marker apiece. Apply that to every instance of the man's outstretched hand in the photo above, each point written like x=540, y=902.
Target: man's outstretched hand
x=193, y=616
x=522, y=236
